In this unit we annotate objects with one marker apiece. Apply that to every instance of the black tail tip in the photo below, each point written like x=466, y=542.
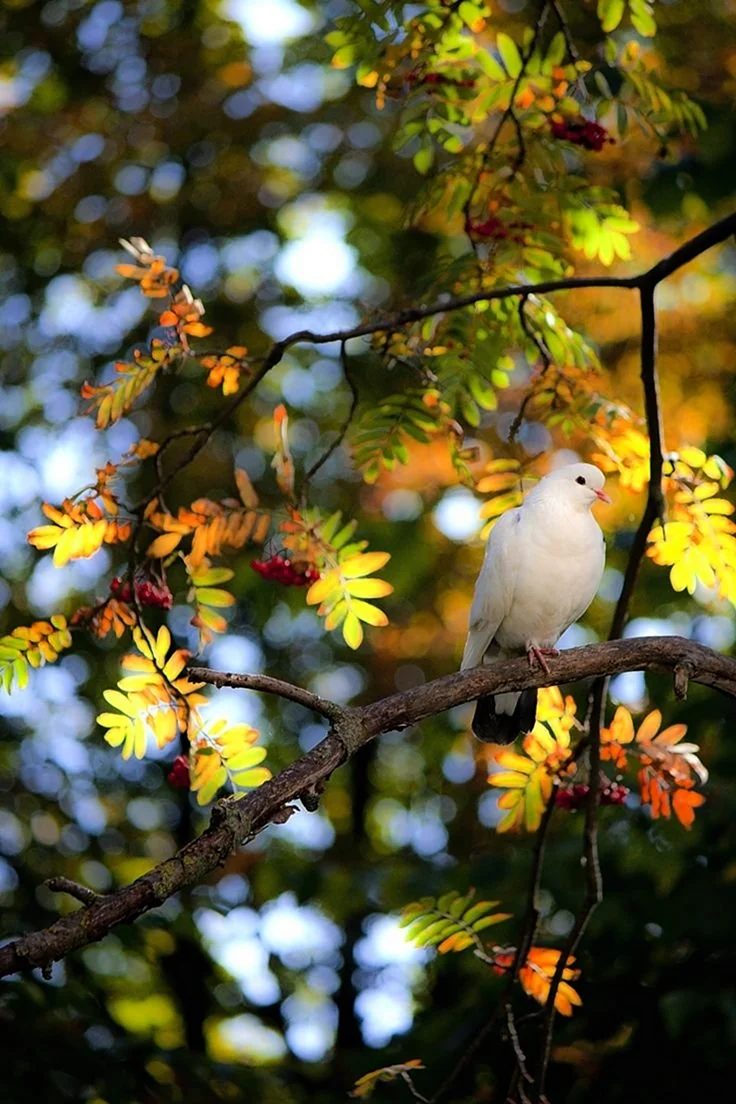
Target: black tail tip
x=503, y=728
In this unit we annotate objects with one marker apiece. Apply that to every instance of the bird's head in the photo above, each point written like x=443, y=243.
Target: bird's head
x=578, y=485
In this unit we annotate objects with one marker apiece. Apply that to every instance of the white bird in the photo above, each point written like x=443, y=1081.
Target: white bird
x=542, y=566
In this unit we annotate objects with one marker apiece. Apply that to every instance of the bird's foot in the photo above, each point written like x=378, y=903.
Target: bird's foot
x=540, y=654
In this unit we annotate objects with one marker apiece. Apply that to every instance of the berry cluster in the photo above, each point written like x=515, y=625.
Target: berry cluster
x=589, y=135
x=147, y=593
x=178, y=776
x=494, y=228
x=574, y=797
x=418, y=78
x=287, y=572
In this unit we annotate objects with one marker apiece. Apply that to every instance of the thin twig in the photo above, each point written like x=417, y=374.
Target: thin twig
x=344, y=427
x=562, y=20
x=545, y=357
x=60, y=884
x=267, y=685
x=593, y=882
x=514, y=1036
x=509, y=113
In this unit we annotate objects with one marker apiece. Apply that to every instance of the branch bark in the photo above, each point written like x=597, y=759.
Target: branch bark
x=235, y=822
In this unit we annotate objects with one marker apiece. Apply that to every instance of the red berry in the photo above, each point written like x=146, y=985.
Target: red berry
x=281, y=570
x=120, y=588
x=589, y=135
x=178, y=776
x=614, y=794
x=572, y=797
x=151, y=595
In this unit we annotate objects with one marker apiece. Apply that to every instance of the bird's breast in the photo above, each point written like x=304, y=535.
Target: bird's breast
x=555, y=582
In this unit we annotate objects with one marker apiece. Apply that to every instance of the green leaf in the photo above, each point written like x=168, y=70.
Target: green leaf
x=643, y=18
x=479, y=910
x=488, y=921
x=610, y=13
x=245, y=759
x=490, y=66
x=424, y=158
x=470, y=13
x=556, y=51
x=213, y=576
x=329, y=527
x=510, y=55
x=212, y=597
x=441, y=928
x=458, y=906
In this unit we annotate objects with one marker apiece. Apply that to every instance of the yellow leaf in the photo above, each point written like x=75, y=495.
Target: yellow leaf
x=245, y=489
x=649, y=727
x=372, y=615
x=508, y=779
x=134, y=662
x=364, y=563
x=137, y=682
x=65, y=547
x=693, y=456
x=502, y=465
x=323, y=588
x=336, y=615
x=164, y=727
x=210, y=597
x=503, y=481
x=163, y=643
x=176, y=664
x=352, y=631
x=45, y=536
x=512, y=761
x=163, y=545
x=121, y=702
x=682, y=577
x=250, y=779
x=718, y=506
x=368, y=588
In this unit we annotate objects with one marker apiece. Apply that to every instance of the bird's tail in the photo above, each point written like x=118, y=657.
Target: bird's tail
x=500, y=719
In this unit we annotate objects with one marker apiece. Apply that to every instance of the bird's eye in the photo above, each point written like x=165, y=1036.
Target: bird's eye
x=581, y=480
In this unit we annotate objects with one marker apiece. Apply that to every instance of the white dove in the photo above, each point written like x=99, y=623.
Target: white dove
x=542, y=566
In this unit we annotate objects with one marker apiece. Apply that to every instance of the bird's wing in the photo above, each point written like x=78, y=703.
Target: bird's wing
x=494, y=589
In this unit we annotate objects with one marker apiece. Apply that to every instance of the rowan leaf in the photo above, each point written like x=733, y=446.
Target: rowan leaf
x=352, y=631
x=163, y=545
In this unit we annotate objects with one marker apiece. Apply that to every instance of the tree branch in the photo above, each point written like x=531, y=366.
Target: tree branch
x=234, y=822
x=649, y=279
x=268, y=685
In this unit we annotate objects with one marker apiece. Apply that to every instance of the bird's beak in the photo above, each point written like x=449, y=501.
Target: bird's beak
x=603, y=497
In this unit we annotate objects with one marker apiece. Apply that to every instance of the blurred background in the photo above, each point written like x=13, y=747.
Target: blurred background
x=220, y=132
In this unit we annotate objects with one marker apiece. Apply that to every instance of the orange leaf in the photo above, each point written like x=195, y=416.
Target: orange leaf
x=163, y=545
x=684, y=803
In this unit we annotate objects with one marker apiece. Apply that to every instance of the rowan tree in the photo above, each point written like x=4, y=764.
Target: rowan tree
x=284, y=336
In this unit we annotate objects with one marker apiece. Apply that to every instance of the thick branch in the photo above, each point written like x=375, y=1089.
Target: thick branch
x=655, y=653
x=237, y=821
